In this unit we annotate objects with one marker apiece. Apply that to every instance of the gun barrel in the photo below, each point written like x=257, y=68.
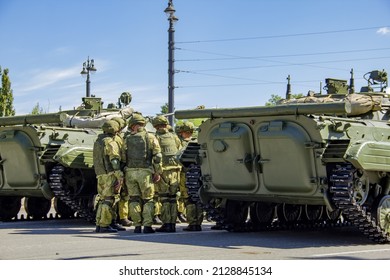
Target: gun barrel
x=278, y=110
x=33, y=119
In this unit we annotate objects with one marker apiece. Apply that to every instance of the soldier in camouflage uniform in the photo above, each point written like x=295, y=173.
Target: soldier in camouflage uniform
x=106, y=160
x=168, y=186
x=123, y=204
x=194, y=212
x=143, y=168
x=181, y=207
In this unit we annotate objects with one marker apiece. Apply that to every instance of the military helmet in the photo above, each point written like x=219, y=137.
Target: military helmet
x=120, y=121
x=125, y=97
x=186, y=126
x=159, y=120
x=110, y=127
x=136, y=119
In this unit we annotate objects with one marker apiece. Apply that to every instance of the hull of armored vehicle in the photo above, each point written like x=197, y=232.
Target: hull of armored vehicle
x=30, y=155
x=294, y=164
x=47, y=160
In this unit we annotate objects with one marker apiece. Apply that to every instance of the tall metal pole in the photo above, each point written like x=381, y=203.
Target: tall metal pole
x=88, y=66
x=170, y=11
x=88, y=86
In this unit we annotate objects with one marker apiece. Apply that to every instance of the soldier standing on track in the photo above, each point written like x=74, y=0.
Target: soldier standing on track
x=168, y=186
x=107, y=161
x=143, y=168
x=194, y=212
x=123, y=204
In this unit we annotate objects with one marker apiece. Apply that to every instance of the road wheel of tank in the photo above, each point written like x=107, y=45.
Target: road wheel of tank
x=262, y=212
x=73, y=181
x=63, y=209
x=332, y=216
x=37, y=207
x=381, y=213
x=9, y=207
x=289, y=212
x=360, y=190
x=313, y=213
x=236, y=213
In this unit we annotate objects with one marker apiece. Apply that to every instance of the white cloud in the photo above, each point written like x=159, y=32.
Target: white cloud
x=43, y=79
x=383, y=30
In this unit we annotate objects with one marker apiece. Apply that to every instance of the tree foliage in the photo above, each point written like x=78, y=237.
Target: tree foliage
x=6, y=95
x=273, y=100
x=164, y=109
x=276, y=98
x=37, y=110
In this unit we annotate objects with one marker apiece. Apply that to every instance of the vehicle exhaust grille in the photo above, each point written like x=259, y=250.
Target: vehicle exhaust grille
x=50, y=152
x=335, y=150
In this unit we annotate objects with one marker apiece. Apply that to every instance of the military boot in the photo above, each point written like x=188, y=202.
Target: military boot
x=125, y=222
x=137, y=229
x=164, y=228
x=118, y=227
x=148, y=230
x=108, y=229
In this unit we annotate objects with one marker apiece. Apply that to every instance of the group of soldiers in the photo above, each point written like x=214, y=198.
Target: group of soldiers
x=139, y=176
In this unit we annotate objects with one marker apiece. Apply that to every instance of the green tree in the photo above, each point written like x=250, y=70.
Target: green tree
x=37, y=110
x=276, y=98
x=164, y=109
x=273, y=100
x=6, y=96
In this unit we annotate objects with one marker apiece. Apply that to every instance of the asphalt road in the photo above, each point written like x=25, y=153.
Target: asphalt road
x=75, y=239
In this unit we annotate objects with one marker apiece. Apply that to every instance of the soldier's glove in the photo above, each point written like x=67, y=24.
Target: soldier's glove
x=156, y=178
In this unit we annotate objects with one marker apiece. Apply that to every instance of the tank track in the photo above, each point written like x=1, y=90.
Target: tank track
x=56, y=185
x=341, y=190
x=193, y=184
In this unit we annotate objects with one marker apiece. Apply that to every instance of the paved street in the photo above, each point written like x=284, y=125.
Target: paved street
x=75, y=239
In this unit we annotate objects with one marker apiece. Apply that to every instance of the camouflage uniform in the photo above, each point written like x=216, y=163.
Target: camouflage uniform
x=143, y=162
x=193, y=211
x=123, y=204
x=106, y=159
x=168, y=186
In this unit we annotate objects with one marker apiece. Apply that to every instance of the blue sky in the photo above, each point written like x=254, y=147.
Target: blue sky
x=229, y=53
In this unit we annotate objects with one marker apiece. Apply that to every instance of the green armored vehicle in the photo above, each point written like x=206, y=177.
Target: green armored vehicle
x=50, y=156
x=317, y=160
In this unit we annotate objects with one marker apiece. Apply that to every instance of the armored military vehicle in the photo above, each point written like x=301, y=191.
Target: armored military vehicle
x=317, y=160
x=49, y=156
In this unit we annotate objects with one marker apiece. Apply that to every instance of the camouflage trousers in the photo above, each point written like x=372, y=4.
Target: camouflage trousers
x=106, y=199
x=140, y=189
x=167, y=189
x=194, y=214
x=123, y=204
